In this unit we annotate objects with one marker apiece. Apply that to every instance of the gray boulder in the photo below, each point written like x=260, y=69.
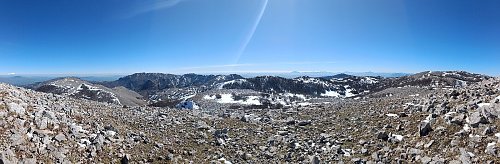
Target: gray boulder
x=8, y=156
x=465, y=157
x=477, y=118
x=16, y=108
x=424, y=128
x=382, y=135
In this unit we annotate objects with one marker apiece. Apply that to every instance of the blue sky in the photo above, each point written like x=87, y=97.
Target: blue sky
x=181, y=36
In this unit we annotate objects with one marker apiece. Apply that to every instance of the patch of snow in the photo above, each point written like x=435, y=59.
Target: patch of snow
x=228, y=99
x=90, y=87
x=209, y=97
x=312, y=80
x=220, y=78
x=252, y=100
x=347, y=152
x=397, y=137
x=449, y=114
x=30, y=134
x=295, y=95
x=445, y=74
x=296, y=145
x=348, y=93
x=307, y=80
x=239, y=81
x=93, y=135
x=474, y=136
x=483, y=104
x=77, y=128
x=369, y=80
x=110, y=133
x=304, y=103
x=466, y=128
x=331, y=94
x=84, y=142
x=412, y=104
x=428, y=118
x=188, y=97
x=391, y=115
x=223, y=160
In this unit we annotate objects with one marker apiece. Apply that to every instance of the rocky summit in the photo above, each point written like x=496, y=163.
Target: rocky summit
x=425, y=123
x=249, y=81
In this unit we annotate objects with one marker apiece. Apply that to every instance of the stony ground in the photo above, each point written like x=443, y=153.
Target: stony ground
x=398, y=125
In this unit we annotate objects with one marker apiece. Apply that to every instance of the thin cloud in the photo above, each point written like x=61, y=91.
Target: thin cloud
x=156, y=5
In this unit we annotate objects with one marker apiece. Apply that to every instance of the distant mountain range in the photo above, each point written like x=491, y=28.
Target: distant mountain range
x=136, y=89
x=340, y=85
x=296, y=74
x=343, y=85
x=23, y=80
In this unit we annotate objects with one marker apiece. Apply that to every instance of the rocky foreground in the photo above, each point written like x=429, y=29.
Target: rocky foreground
x=397, y=125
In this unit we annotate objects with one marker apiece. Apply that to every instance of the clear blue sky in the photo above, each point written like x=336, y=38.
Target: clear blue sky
x=179, y=36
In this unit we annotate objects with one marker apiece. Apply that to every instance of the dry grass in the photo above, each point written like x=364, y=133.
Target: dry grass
x=3, y=106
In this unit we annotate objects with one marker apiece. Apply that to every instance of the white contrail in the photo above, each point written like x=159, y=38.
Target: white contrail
x=156, y=5
x=252, y=31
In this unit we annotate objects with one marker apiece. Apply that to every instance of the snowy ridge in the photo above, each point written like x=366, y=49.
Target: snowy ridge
x=369, y=80
x=229, y=99
x=78, y=88
x=331, y=94
x=310, y=80
x=238, y=81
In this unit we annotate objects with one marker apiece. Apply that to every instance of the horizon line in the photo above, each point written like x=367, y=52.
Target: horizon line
x=217, y=73
x=198, y=72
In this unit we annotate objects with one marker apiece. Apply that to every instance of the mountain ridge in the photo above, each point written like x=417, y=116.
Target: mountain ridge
x=156, y=87
x=78, y=88
x=146, y=83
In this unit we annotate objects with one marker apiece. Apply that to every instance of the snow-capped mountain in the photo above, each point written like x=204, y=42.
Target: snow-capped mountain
x=77, y=88
x=441, y=79
x=167, y=87
x=159, y=87
x=144, y=83
x=345, y=86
